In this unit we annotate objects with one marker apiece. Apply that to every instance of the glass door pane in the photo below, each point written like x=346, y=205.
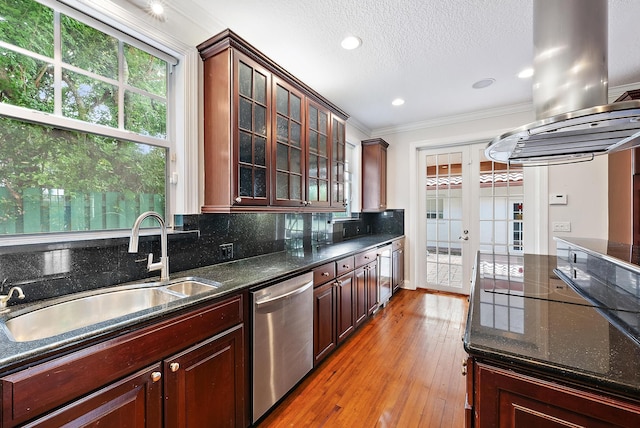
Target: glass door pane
x=444, y=220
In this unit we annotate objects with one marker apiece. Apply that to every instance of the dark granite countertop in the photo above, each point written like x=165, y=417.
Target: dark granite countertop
x=521, y=314
x=229, y=277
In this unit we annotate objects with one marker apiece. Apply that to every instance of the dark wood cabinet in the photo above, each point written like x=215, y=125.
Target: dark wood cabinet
x=135, y=401
x=397, y=269
x=338, y=163
x=204, y=384
x=374, y=175
x=346, y=305
x=344, y=298
x=270, y=141
x=324, y=321
x=505, y=398
x=119, y=381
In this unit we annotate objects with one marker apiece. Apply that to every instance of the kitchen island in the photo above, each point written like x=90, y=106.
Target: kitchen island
x=542, y=353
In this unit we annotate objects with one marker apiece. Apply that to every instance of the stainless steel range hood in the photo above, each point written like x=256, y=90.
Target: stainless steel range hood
x=574, y=122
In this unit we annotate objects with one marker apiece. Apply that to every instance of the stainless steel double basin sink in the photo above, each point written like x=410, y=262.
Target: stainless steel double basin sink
x=91, y=309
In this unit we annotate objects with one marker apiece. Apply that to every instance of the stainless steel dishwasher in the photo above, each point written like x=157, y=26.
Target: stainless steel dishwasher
x=282, y=339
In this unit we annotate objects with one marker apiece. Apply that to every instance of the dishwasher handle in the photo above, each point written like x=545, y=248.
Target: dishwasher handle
x=298, y=290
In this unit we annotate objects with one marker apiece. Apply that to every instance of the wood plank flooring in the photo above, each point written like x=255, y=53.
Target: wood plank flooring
x=401, y=369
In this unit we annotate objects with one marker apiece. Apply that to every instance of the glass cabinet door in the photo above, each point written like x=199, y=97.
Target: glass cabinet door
x=317, y=155
x=253, y=119
x=338, y=146
x=288, y=149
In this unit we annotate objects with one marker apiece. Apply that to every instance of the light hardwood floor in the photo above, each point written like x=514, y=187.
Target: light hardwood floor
x=401, y=369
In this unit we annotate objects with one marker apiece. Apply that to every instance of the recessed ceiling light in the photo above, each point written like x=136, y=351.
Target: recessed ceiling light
x=397, y=102
x=483, y=83
x=351, y=42
x=156, y=8
x=526, y=73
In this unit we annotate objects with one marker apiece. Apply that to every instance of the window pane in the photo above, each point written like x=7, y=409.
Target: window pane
x=27, y=24
x=261, y=149
x=246, y=149
x=282, y=101
x=283, y=129
x=26, y=82
x=246, y=181
x=260, y=88
x=58, y=180
x=145, y=71
x=144, y=115
x=89, y=100
x=295, y=108
x=88, y=48
x=246, y=120
x=260, y=184
x=245, y=79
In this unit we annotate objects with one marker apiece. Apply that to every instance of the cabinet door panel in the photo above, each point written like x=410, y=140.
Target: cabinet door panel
x=289, y=165
x=251, y=130
x=338, y=178
x=134, y=402
x=360, y=277
x=507, y=399
x=346, y=300
x=324, y=327
x=372, y=287
x=204, y=384
x=317, y=155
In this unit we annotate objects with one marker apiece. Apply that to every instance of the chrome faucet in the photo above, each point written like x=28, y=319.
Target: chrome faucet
x=5, y=298
x=163, y=264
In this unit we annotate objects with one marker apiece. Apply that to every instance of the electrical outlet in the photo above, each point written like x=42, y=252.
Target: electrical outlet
x=226, y=252
x=561, y=226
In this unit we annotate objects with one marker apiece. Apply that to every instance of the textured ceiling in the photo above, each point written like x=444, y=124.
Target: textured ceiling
x=427, y=52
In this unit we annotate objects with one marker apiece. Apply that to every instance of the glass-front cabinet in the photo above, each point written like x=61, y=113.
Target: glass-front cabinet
x=288, y=139
x=253, y=118
x=338, y=178
x=270, y=141
x=318, y=148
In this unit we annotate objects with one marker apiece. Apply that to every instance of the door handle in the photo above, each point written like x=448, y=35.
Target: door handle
x=465, y=235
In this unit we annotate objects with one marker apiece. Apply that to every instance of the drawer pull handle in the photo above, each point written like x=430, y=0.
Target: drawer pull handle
x=464, y=367
x=174, y=367
x=156, y=376
x=345, y=266
x=325, y=273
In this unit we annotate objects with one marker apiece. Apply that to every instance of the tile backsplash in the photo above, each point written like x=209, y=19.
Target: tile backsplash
x=50, y=270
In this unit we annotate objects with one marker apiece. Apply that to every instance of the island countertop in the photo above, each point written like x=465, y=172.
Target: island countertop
x=522, y=315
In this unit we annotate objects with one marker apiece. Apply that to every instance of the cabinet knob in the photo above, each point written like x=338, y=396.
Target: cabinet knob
x=325, y=273
x=156, y=376
x=238, y=200
x=308, y=202
x=464, y=367
x=174, y=367
x=345, y=266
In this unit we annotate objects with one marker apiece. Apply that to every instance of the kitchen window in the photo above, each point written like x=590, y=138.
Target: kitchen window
x=84, y=122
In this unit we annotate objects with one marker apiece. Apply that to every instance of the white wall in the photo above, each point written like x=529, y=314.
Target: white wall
x=585, y=184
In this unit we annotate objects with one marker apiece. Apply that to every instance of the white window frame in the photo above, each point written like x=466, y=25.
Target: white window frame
x=182, y=194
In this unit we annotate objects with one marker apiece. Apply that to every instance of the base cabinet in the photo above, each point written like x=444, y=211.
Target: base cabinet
x=202, y=384
x=135, y=401
x=197, y=358
x=324, y=321
x=346, y=305
x=503, y=398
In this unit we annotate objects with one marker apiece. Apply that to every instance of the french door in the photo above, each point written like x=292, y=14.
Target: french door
x=467, y=202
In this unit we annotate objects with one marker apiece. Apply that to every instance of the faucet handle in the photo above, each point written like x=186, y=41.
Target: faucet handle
x=5, y=298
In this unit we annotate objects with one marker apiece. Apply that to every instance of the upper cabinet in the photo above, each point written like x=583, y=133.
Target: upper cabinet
x=374, y=175
x=270, y=141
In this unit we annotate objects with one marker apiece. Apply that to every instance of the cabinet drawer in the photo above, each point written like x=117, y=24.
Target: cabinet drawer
x=398, y=244
x=365, y=258
x=324, y=273
x=83, y=371
x=345, y=265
